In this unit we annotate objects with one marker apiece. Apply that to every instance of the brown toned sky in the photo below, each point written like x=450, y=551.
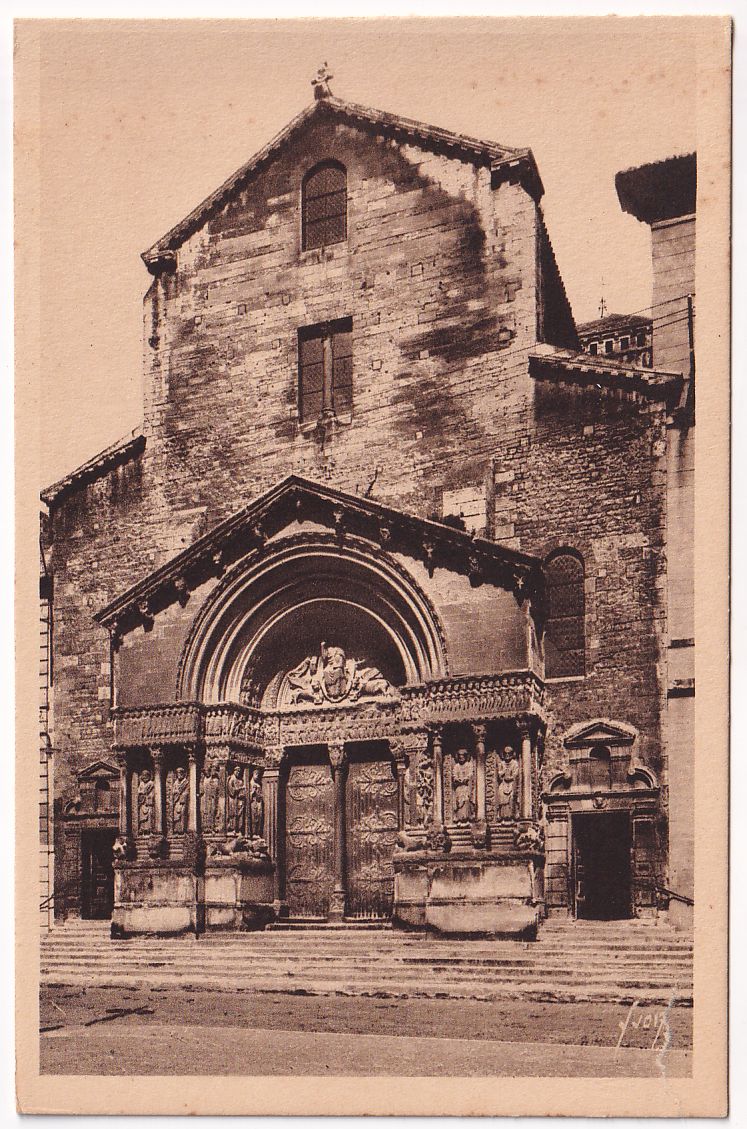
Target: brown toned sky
x=142, y=120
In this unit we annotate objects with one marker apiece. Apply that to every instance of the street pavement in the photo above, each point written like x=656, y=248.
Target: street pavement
x=170, y=1031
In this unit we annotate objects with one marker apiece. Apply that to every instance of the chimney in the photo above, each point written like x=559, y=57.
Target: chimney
x=663, y=195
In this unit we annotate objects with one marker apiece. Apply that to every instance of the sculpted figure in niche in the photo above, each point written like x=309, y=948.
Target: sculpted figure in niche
x=145, y=801
x=236, y=801
x=210, y=797
x=179, y=801
x=462, y=778
x=257, y=805
x=507, y=766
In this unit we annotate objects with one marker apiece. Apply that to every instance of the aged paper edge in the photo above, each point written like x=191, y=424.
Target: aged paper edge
x=704, y=1094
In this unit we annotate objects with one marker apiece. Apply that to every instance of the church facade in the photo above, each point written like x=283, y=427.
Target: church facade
x=376, y=617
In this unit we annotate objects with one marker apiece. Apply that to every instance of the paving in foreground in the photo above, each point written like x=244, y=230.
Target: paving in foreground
x=173, y=1031
x=593, y=962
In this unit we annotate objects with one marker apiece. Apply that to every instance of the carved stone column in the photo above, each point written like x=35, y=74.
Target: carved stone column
x=437, y=837
x=192, y=811
x=525, y=732
x=338, y=760
x=125, y=797
x=399, y=755
x=480, y=829
x=159, y=845
x=270, y=779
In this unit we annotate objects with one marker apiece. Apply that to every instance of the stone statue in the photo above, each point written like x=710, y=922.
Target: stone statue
x=179, y=801
x=462, y=781
x=257, y=805
x=145, y=801
x=210, y=791
x=507, y=766
x=236, y=788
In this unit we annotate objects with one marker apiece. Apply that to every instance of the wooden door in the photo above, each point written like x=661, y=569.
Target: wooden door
x=98, y=875
x=309, y=832
x=371, y=809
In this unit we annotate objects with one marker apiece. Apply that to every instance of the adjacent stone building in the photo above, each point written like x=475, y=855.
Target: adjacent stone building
x=372, y=619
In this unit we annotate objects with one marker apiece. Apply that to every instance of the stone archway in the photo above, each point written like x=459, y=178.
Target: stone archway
x=266, y=618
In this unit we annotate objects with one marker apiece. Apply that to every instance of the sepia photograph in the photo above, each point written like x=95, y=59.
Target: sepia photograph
x=359, y=363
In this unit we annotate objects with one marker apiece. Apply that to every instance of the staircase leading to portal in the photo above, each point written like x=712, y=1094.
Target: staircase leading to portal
x=622, y=962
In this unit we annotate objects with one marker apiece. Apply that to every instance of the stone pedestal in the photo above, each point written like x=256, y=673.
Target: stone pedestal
x=167, y=898
x=469, y=893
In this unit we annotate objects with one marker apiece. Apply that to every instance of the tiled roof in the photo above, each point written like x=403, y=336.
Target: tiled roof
x=499, y=158
x=130, y=447
x=613, y=323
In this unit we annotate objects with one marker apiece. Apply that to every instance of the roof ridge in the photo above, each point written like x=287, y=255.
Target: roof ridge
x=167, y=244
x=96, y=465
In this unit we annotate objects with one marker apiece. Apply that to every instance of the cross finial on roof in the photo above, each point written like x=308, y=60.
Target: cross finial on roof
x=321, y=82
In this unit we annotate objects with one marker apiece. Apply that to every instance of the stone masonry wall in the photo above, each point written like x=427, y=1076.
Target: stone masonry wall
x=440, y=277
x=588, y=472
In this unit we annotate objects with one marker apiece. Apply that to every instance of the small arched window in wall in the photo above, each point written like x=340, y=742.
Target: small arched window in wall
x=324, y=206
x=564, y=623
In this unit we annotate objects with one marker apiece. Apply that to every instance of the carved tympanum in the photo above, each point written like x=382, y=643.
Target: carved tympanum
x=331, y=677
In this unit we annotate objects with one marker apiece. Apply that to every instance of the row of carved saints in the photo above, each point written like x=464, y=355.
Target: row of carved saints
x=237, y=796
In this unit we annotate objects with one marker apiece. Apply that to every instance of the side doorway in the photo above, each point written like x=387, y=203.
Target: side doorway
x=601, y=865
x=97, y=874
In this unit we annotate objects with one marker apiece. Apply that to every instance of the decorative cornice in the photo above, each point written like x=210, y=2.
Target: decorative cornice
x=244, y=535
x=638, y=385
x=423, y=708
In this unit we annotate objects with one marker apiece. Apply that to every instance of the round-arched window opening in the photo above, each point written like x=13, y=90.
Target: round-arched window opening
x=102, y=795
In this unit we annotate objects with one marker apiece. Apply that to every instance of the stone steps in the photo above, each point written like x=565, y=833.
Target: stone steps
x=644, y=964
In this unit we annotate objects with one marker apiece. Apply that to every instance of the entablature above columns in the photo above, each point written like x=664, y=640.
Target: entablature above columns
x=518, y=696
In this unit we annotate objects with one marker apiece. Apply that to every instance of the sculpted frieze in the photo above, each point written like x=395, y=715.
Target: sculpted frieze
x=161, y=725
x=234, y=724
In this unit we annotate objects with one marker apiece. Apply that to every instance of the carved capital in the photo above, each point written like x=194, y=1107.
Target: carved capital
x=398, y=749
x=273, y=755
x=337, y=754
x=156, y=756
x=480, y=732
x=525, y=727
x=191, y=751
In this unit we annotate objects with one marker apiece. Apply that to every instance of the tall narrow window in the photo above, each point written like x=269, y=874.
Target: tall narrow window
x=325, y=369
x=325, y=206
x=564, y=624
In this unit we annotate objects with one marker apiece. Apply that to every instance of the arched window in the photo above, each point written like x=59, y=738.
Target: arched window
x=325, y=206
x=102, y=795
x=564, y=623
